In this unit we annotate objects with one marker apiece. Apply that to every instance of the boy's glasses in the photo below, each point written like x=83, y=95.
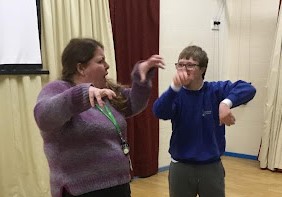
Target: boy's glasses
x=188, y=66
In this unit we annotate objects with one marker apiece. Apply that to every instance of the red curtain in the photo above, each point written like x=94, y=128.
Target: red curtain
x=136, y=37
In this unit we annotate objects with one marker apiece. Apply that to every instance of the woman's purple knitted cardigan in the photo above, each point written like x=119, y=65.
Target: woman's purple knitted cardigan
x=81, y=145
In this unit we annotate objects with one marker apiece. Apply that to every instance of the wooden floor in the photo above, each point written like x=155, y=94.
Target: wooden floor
x=244, y=178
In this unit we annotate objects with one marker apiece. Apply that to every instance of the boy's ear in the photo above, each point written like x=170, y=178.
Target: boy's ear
x=203, y=69
x=80, y=68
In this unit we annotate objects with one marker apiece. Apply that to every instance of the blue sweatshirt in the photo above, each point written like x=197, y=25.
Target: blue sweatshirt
x=196, y=134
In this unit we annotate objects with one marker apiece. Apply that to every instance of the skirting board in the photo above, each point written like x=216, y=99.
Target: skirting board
x=239, y=155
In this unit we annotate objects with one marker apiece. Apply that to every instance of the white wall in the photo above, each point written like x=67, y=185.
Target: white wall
x=241, y=49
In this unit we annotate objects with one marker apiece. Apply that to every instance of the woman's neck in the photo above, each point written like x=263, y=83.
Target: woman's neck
x=77, y=80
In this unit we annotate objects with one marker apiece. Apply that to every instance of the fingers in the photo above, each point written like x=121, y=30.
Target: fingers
x=142, y=77
x=99, y=100
x=220, y=123
x=156, y=61
x=176, y=81
x=156, y=58
x=96, y=95
x=232, y=120
x=91, y=99
x=181, y=78
x=228, y=120
x=109, y=93
x=160, y=65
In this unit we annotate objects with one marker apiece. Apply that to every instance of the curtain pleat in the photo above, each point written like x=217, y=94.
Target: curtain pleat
x=270, y=155
x=23, y=166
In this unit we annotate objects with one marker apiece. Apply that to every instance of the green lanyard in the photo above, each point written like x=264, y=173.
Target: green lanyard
x=107, y=112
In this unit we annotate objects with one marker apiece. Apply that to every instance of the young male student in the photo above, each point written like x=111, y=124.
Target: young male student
x=199, y=111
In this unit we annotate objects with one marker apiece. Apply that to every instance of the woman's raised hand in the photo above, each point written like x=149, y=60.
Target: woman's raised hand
x=96, y=95
x=154, y=61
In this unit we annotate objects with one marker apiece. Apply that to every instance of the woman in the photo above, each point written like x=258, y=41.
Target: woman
x=82, y=122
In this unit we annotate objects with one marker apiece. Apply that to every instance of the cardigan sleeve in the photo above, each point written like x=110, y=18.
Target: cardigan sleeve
x=139, y=93
x=57, y=102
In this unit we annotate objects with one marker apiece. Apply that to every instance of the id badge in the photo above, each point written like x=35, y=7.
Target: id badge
x=125, y=148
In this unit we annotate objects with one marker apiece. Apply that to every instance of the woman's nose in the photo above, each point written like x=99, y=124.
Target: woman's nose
x=107, y=66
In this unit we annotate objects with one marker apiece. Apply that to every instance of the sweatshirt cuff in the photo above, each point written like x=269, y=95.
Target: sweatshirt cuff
x=175, y=88
x=227, y=102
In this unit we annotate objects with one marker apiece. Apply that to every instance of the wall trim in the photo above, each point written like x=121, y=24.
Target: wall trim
x=164, y=168
x=239, y=155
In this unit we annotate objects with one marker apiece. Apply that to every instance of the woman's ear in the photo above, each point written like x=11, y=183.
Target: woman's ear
x=80, y=69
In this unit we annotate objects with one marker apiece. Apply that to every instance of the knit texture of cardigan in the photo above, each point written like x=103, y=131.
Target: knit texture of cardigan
x=81, y=144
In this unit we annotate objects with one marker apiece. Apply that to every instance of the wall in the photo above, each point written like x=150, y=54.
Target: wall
x=241, y=49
